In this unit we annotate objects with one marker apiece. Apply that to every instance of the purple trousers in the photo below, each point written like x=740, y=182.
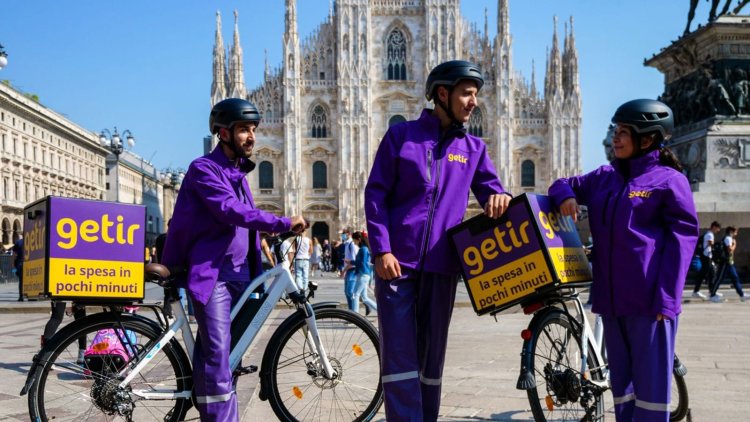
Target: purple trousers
x=414, y=312
x=641, y=355
x=212, y=377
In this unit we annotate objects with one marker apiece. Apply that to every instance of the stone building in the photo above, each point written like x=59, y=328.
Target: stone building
x=43, y=153
x=363, y=69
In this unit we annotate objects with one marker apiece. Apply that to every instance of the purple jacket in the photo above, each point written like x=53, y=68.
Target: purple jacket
x=644, y=229
x=211, y=222
x=419, y=187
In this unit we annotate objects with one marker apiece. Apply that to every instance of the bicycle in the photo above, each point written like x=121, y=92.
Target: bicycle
x=564, y=363
x=320, y=363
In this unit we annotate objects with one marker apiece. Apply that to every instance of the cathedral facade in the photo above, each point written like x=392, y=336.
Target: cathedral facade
x=326, y=108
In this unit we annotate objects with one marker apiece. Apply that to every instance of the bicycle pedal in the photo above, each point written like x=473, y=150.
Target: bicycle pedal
x=244, y=370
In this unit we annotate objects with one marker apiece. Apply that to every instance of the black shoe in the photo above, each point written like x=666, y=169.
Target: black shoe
x=367, y=310
x=20, y=299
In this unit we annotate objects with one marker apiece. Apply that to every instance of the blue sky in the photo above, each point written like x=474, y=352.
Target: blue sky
x=146, y=65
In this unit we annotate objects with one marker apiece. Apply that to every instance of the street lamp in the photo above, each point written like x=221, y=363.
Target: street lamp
x=113, y=141
x=3, y=57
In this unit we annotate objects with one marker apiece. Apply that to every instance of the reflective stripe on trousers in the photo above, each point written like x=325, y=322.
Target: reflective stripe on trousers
x=641, y=356
x=212, y=377
x=414, y=312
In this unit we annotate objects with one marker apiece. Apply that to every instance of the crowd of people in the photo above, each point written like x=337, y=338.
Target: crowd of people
x=644, y=246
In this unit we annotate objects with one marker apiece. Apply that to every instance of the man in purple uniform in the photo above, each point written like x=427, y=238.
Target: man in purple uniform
x=418, y=188
x=214, y=234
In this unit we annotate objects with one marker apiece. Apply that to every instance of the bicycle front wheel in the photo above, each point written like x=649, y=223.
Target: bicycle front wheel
x=296, y=384
x=70, y=387
x=559, y=394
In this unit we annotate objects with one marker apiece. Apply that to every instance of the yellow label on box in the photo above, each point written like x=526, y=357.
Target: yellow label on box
x=570, y=264
x=509, y=282
x=95, y=278
x=33, y=277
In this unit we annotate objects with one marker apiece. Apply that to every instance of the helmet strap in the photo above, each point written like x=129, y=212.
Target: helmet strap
x=231, y=144
x=455, y=124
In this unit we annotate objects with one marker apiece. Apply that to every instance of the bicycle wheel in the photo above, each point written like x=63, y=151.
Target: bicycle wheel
x=678, y=409
x=556, y=361
x=66, y=388
x=295, y=384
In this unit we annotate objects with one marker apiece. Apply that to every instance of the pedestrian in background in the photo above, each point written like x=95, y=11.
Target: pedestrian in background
x=315, y=256
x=363, y=270
x=708, y=268
x=644, y=225
x=348, y=272
x=302, y=261
x=326, y=255
x=729, y=243
x=17, y=251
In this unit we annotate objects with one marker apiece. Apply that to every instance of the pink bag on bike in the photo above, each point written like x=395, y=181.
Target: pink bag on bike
x=107, y=352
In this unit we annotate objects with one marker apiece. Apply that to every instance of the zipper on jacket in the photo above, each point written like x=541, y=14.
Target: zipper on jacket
x=612, y=245
x=431, y=211
x=429, y=165
x=604, y=210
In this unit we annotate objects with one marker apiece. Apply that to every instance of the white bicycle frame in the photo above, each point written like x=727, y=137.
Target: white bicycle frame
x=281, y=283
x=595, y=337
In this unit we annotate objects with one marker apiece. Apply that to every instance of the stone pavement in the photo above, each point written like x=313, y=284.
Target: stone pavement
x=482, y=364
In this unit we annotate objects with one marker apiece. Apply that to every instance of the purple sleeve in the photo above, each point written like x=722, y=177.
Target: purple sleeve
x=221, y=200
x=382, y=178
x=571, y=187
x=681, y=234
x=485, y=181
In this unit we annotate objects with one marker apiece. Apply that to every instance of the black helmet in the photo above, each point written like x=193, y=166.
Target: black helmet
x=646, y=116
x=450, y=73
x=226, y=112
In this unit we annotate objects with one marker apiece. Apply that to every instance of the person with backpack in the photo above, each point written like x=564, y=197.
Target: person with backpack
x=644, y=225
x=705, y=251
x=724, y=256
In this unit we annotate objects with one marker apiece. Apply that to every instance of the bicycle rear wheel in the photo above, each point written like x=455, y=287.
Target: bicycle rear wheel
x=556, y=361
x=66, y=388
x=297, y=388
x=678, y=409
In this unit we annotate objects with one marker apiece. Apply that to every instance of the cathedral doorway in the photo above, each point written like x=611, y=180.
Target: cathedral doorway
x=321, y=231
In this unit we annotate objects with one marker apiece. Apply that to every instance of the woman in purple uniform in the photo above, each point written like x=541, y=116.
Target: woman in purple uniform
x=644, y=225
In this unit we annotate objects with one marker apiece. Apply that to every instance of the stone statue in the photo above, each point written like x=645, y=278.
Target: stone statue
x=712, y=13
x=740, y=5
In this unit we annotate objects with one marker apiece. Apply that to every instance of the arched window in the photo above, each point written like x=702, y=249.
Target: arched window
x=318, y=122
x=475, y=122
x=265, y=175
x=396, y=120
x=527, y=173
x=320, y=175
x=396, y=56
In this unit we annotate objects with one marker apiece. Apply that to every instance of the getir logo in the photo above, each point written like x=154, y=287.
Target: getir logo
x=91, y=231
x=458, y=158
x=639, y=194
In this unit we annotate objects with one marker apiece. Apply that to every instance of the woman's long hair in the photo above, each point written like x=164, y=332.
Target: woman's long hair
x=666, y=156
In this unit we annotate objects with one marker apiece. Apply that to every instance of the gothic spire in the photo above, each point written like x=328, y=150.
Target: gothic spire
x=503, y=25
x=555, y=67
x=486, y=25
x=571, y=59
x=219, y=84
x=290, y=23
x=236, y=68
x=533, y=93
